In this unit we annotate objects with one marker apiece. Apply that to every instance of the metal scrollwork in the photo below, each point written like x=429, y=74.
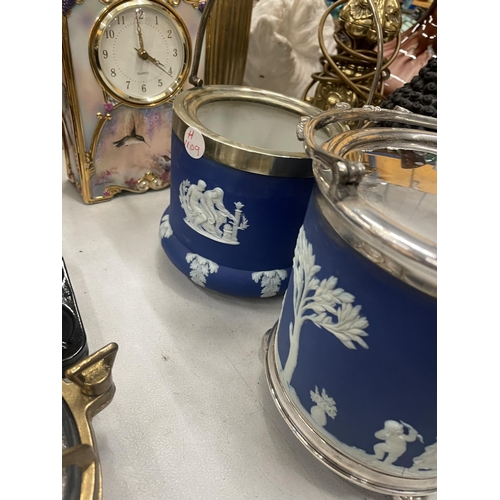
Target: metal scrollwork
x=356, y=73
x=196, y=4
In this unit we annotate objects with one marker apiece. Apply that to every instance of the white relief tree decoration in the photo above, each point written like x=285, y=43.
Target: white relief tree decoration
x=320, y=302
x=165, y=228
x=200, y=268
x=270, y=281
x=325, y=405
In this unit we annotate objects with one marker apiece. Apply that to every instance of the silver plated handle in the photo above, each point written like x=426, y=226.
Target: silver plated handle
x=194, y=79
x=345, y=171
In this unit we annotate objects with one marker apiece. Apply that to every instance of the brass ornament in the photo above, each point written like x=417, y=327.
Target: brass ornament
x=87, y=389
x=356, y=73
x=358, y=21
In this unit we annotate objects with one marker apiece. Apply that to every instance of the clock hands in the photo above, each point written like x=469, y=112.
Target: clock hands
x=142, y=53
x=139, y=32
x=158, y=64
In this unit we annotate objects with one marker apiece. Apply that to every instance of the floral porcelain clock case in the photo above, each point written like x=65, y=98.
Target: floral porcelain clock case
x=123, y=62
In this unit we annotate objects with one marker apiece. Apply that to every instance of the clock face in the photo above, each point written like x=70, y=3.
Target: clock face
x=140, y=51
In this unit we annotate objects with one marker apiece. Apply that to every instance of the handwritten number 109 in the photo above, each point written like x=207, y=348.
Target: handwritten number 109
x=192, y=147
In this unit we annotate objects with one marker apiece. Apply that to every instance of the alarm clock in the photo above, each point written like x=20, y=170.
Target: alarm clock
x=123, y=63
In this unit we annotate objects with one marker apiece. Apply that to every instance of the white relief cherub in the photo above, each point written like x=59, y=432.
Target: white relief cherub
x=395, y=440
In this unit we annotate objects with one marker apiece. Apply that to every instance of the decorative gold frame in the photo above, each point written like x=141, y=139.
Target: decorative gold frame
x=87, y=389
x=74, y=105
x=100, y=25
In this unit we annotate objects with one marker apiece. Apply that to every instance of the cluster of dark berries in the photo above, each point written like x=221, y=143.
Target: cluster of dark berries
x=67, y=5
x=418, y=96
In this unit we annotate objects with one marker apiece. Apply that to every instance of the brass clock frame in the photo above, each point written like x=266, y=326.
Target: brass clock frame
x=87, y=389
x=102, y=23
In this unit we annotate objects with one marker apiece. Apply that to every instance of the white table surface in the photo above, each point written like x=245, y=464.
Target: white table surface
x=192, y=417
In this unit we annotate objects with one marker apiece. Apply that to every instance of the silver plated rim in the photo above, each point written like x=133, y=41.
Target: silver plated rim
x=235, y=154
x=329, y=456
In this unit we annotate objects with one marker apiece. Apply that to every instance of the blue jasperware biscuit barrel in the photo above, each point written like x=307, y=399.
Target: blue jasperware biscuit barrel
x=240, y=185
x=351, y=363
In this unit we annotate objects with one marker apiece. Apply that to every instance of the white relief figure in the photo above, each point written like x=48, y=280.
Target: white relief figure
x=200, y=268
x=213, y=205
x=207, y=215
x=319, y=302
x=195, y=212
x=395, y=440
x=165, y=228
x=325, y=405
x=270, y=281
x=428, y=460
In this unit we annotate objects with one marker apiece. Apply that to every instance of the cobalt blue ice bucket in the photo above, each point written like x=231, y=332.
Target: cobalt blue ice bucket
x=240, y=186
x=351, y=362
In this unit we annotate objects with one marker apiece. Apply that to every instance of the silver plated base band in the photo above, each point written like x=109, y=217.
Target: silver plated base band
x=397, y=488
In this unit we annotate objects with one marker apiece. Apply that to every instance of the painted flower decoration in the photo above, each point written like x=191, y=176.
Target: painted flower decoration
x=131, y=183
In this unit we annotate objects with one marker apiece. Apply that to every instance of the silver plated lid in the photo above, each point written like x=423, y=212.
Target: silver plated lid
x=377, y=188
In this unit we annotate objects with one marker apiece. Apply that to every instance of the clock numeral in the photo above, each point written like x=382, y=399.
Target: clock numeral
x=169, y=33
x=160, y=83
x=156, y=17
x=120, y=20
x=113, y=72
x=143, y=87
x=175, y=52
x=141, y=13
x=105, y=54
x=170, y=70
x=128, y=84
x=110, y=34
